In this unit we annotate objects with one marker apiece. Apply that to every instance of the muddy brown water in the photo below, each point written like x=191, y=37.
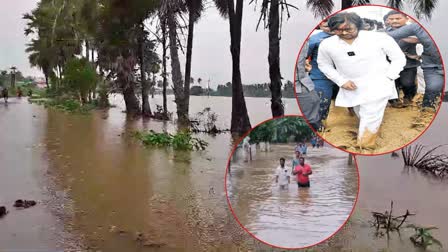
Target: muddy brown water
x=383, y=179
x=97, y=188
x=90, y=179
x=293, y=218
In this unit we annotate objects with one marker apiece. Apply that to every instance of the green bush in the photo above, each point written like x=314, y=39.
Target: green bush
x=180, y=141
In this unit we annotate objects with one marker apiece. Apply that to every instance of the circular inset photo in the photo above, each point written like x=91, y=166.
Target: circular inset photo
x=369, y=79
x=288, y=188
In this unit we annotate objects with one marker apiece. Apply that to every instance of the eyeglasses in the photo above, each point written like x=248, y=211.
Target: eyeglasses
x=347, y=30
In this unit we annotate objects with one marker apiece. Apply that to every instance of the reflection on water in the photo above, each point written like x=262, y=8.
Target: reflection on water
x=292, y=217
x=384, y=179
x=95, y=182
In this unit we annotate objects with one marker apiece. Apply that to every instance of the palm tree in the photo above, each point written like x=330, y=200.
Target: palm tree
x=170, y=10
x=195, y=9
x=270, y=10
x=41, y=57
x=240, y=120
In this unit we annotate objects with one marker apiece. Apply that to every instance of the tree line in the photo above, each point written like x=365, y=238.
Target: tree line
x=84, y=45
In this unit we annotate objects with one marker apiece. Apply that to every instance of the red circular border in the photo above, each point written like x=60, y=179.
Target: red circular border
x=236, y=218
x=422, y=132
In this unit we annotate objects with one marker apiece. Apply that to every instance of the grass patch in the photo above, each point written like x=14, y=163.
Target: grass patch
x=66, y=105
x=179, y=141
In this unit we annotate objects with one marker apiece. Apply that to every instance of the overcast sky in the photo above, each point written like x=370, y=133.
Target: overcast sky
x=211, y=54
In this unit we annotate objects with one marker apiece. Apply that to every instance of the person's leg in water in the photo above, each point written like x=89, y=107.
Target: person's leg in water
x=434, y=80
x=370, y=118
x=303, y=185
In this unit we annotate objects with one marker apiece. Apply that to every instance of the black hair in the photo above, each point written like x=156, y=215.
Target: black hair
x=340, y=18
x=394, y=12
x=302, y=158
x=379, y=25
x=282, y=159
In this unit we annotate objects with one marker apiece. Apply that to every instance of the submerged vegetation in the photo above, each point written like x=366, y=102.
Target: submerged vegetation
x=426, y=161
x=423, y=237
x=387, y=222
x=67, y=105
x=180, y=141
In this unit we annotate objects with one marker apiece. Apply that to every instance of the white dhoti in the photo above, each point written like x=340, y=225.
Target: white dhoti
x=370, y=118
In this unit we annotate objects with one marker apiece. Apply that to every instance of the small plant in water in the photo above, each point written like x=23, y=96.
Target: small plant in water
x=427, y=161
x=205, y=121
x=423, y=237
x=180, y=141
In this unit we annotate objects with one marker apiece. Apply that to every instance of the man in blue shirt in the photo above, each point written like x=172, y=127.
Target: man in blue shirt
x=431, y=62
x=407, y=78
x=322, y=85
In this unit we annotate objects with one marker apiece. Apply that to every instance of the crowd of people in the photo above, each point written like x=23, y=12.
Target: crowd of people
x=364, y=64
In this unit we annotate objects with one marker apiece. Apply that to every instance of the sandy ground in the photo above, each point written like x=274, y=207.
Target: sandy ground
x=400, y=126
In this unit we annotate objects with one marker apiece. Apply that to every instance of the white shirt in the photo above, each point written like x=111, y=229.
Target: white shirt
x=368, y=68
x=283, y=173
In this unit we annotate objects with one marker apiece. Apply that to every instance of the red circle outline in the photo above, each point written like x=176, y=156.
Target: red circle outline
x=422, y=132
x=233, y=212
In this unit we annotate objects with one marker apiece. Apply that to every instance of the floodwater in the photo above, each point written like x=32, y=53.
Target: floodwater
x=293, y=218
x=97, y=188
x=400, y=126
x=384, y=179
x=259, y=109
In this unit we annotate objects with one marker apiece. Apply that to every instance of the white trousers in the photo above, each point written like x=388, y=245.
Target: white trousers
x=370, y=116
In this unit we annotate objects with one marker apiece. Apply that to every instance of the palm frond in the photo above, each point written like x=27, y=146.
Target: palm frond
x=360, y=2
x=222, y=6
x=424, y=8
x=320, y=8
x=397, y=4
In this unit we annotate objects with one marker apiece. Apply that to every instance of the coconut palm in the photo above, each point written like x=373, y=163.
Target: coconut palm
x=41, y=56
x=195, y=9
x=170, y=11
x=240, y=120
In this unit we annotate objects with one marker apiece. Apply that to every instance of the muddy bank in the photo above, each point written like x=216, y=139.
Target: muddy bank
x=400, y=126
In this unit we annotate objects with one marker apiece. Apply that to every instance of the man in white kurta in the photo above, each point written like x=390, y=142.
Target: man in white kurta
x=357, y=62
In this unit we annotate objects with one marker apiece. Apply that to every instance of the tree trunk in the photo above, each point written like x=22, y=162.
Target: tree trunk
x=146, y=109
x=87, y=50
x=346, y=4
x=46, y=80
x=240, y=123
x=130, y=100
x=164, y=84
x=274, y=60
x=94, y=66
x=176, y=74
x=188, y=61
x=124, y=78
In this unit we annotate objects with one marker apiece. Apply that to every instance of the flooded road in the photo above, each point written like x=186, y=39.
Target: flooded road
x=293, y=218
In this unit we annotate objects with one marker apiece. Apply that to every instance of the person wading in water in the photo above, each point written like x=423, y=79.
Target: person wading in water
x=303, y=171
